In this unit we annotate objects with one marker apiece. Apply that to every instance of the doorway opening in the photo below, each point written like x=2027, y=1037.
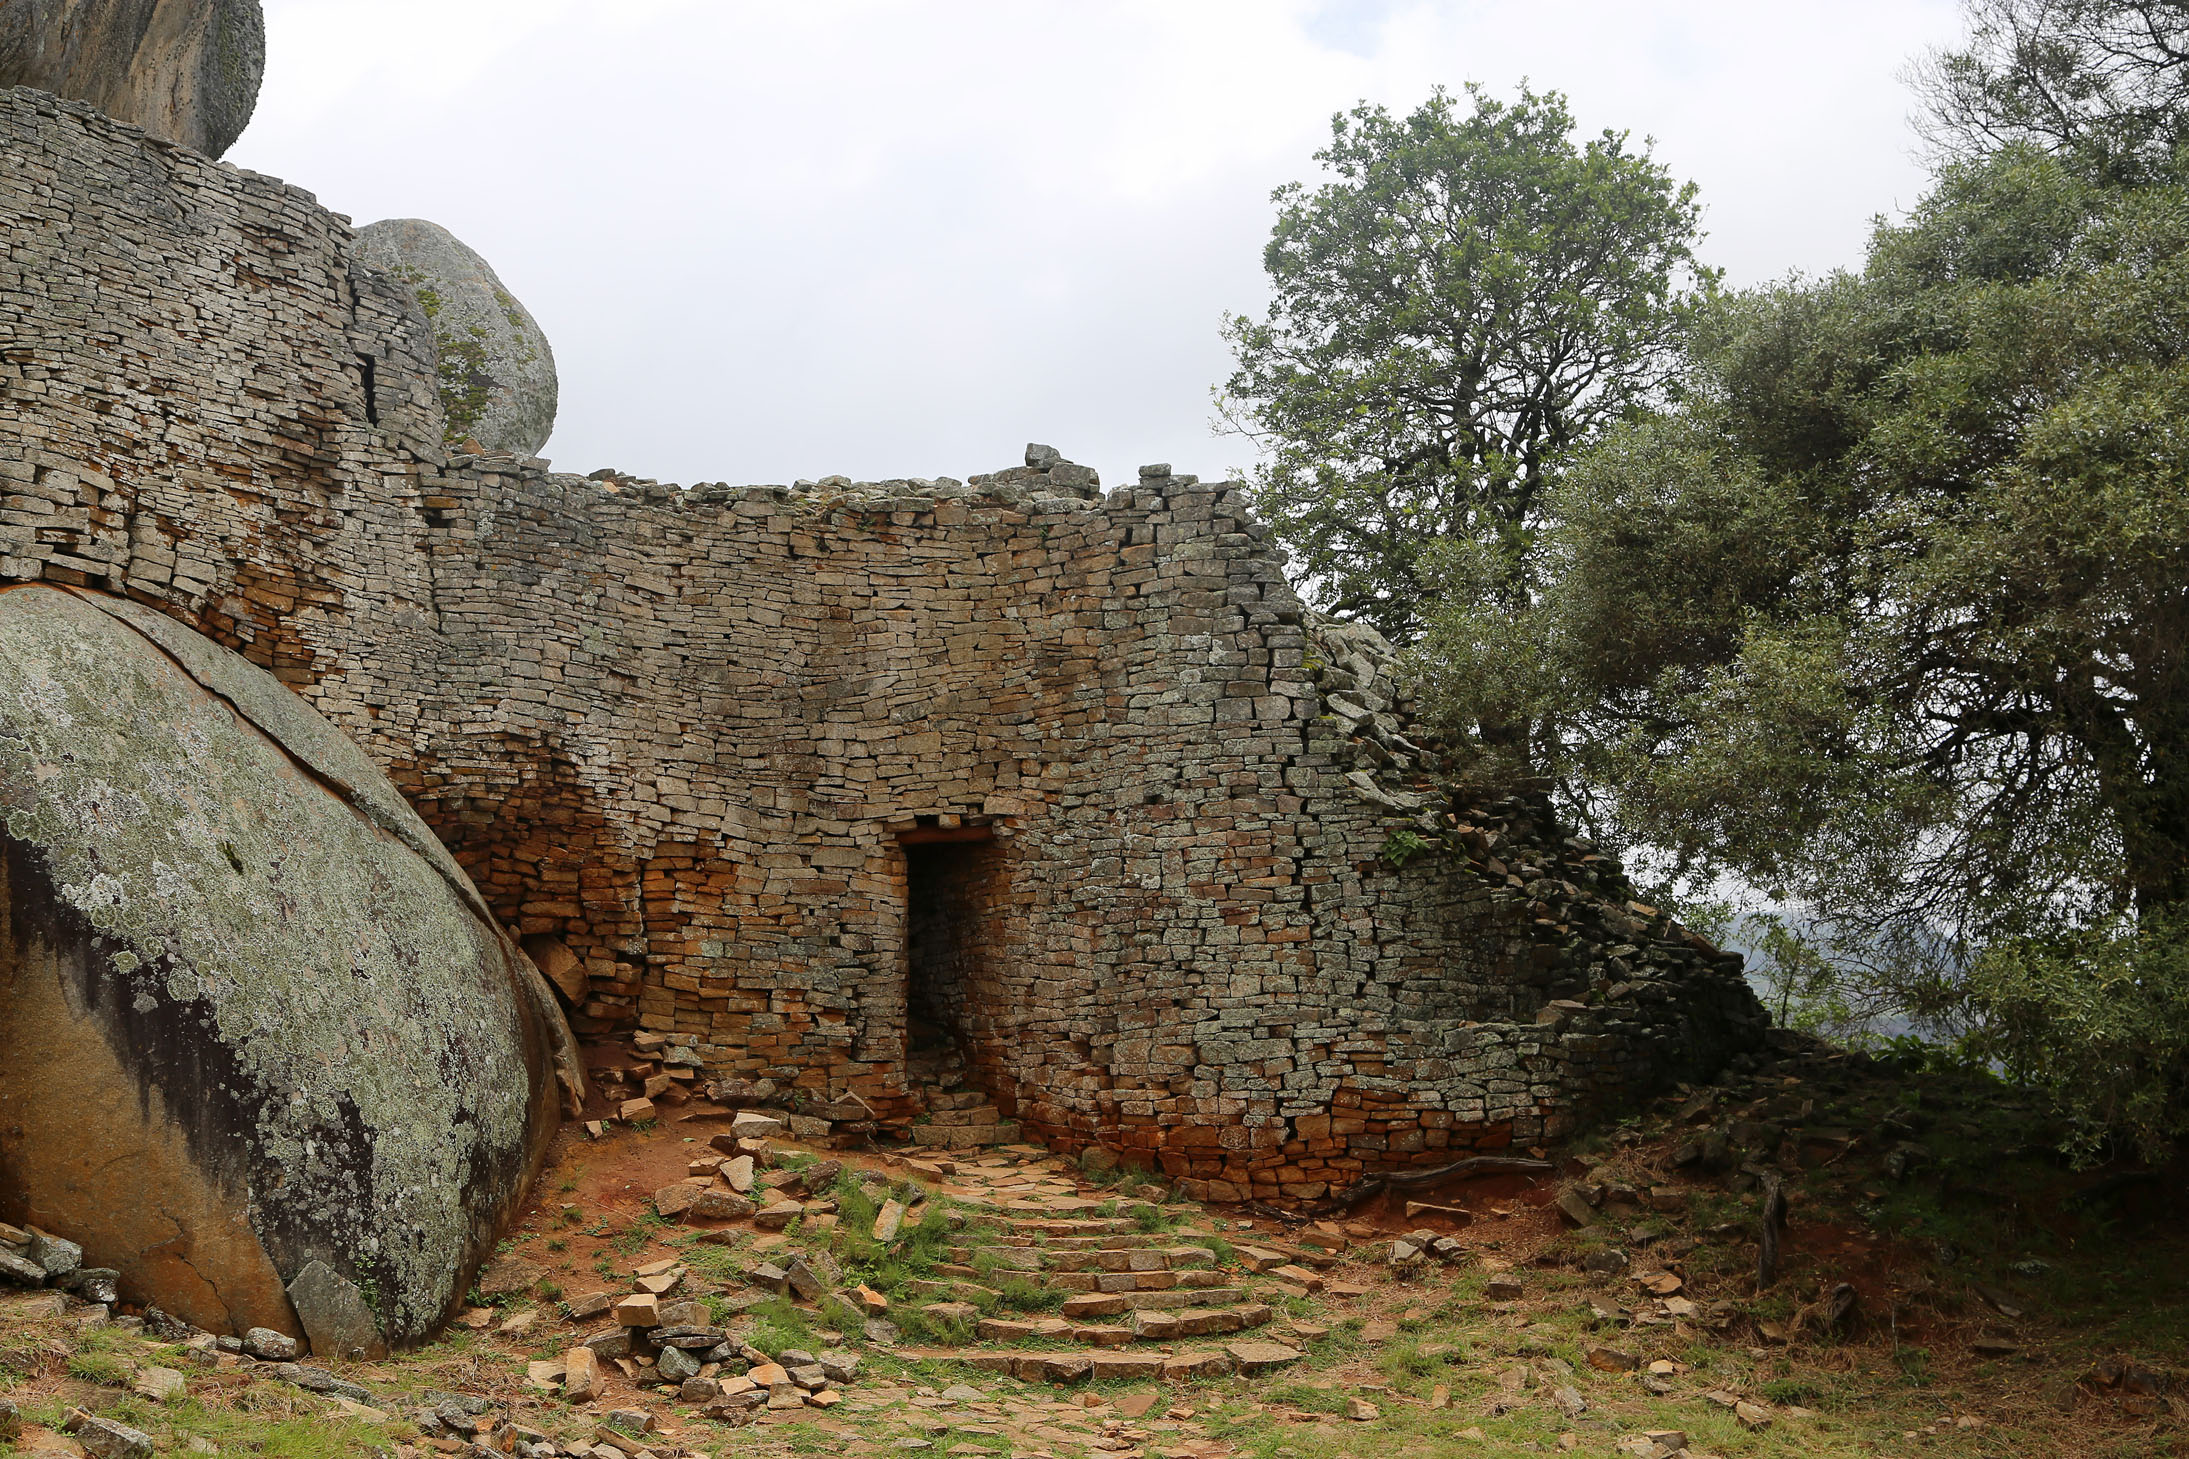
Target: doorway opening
x=954, y=896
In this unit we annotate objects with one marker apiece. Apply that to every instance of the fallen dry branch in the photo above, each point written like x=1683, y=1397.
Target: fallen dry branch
x=1473, y=1167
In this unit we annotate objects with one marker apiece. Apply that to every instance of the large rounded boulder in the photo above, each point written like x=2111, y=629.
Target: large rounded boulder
x=263, y=1049
x=498, y=383
x=184, y=70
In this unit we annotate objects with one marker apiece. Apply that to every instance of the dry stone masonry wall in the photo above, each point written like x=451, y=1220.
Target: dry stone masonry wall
x=1223, y=919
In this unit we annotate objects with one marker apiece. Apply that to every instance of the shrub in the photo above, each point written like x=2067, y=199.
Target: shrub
x=2098, y=1020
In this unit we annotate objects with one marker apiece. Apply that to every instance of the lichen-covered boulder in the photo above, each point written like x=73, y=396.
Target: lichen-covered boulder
x=185, y=70
x=497, y=373
x=263, y=1049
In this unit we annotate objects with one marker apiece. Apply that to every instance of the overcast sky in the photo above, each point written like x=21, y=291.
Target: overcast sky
x=886, y=238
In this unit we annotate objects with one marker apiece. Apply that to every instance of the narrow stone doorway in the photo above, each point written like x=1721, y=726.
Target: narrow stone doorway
x=954, y=902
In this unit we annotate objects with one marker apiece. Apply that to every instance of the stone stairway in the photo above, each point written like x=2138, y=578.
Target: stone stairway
x=1113, y=1287
x=964, y=1120
x=957, y=1116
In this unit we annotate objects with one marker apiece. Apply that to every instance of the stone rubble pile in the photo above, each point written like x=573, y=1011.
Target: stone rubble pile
x=34, y=1258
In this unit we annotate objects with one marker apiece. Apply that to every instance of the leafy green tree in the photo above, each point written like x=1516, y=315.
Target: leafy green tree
x=2097, y=1018
x=1469, y=298
x=1891, y=614
x=1886, y=614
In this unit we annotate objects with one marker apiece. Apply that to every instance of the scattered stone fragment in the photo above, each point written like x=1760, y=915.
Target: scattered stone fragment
x=20, y=1270
x=777, y=1216
x=510, y=1276
x=804, y=1284
x=1261, y=1357
x=751, y=1126
x=56, y=1256
x=104, y=1438
x=589, y=1306
x=1575, y=1208
x=640, y=1309
x=336, y=1317
x=1604, y=1262
x=269, y=1346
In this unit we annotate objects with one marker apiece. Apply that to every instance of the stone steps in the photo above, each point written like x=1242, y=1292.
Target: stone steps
x=1129, y=1258
x=1131, y=1238
x=1027, y=1257
x=1158, y=1327
x=1247, y=1357
x=1112, y=1304
x=951, y=1291
x=1069, y=1228
x=1137, y=1281
x=963, y=1137
x=1054, y=1209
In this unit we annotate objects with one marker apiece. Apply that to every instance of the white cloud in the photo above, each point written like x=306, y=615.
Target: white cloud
x=901, y=237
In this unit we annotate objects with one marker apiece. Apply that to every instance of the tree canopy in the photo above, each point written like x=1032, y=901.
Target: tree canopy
x=1893, y=611
x=1888, y=614
x=1469, y=298
x=2102, y=83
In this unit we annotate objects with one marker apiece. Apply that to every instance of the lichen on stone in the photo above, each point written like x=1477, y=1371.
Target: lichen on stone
x=366, y=1002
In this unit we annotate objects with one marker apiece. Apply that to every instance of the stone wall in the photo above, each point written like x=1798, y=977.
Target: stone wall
x=1232, y=925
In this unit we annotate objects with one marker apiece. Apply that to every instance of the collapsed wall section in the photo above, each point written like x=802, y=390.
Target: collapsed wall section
x=1227, y=921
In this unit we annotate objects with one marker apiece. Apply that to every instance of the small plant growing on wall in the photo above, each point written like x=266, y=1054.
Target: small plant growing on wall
x=1400, y=847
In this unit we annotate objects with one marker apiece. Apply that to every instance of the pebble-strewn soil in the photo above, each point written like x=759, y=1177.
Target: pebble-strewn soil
x=1944, y=1286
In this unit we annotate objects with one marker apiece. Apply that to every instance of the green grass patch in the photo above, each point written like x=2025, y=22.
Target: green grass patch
x=778, y=1325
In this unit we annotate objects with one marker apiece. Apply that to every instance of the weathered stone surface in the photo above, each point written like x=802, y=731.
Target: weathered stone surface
x=337, y=1320
x=583, y=1380
x=56, y=1256
x=497, y=374
x=719, y=1205
x=269, y=1345
x=184, y=70
x=104, y=1438
x=259, y=973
